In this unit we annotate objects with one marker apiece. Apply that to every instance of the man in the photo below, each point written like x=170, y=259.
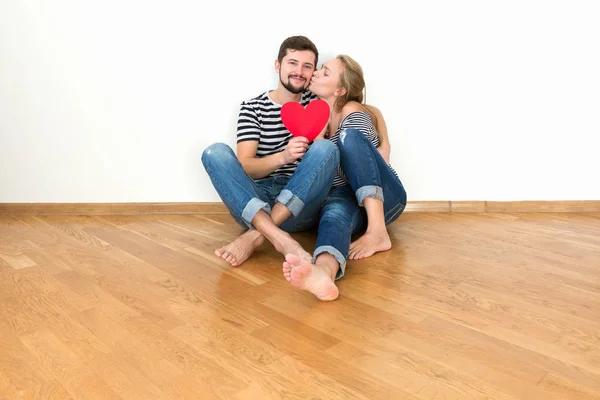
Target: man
x=276, y=179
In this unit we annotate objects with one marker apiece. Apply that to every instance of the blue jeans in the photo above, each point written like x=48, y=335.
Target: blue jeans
x=343, y=213
x=303, y=193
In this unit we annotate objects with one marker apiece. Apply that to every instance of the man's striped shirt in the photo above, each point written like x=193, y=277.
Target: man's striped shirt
x=260, y=120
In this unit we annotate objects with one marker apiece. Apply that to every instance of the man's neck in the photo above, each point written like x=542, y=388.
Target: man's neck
x=281, y=96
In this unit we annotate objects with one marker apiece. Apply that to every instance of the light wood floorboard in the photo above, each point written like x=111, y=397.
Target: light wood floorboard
x=465, y=306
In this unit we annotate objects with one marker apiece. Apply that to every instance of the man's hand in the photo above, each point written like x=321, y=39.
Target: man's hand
x=295, y=149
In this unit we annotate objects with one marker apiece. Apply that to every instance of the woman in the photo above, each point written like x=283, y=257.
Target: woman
x=366, y=192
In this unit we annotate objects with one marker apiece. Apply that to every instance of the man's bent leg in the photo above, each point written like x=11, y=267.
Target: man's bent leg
x=241, y=195
x=308, y=187
x=281, y=240
x=300, y=199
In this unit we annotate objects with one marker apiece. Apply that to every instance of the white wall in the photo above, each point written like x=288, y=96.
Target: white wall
x=114, y=101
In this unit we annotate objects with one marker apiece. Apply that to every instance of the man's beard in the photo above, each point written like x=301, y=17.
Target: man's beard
x=290, y=88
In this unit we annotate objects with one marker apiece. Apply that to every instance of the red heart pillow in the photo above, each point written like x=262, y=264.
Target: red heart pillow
x=307, y=122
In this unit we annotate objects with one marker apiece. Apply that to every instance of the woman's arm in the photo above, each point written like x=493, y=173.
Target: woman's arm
x=384, y=142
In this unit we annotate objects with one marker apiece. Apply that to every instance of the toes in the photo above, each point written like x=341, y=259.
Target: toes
x=363, y=254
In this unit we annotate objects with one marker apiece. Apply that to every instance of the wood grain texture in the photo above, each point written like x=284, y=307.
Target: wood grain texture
x=208, y=208
x=467, y=305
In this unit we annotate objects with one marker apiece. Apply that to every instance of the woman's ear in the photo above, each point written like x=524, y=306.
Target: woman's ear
x=340, y=92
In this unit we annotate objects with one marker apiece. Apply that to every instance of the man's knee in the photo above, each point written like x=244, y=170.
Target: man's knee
x=217, y=152
x=324, y=149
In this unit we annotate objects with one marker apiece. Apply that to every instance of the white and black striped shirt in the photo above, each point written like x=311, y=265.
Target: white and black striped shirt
x=260, y=120
x=362, y=122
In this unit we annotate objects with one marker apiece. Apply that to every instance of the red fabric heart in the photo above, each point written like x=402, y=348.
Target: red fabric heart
x=307, y=122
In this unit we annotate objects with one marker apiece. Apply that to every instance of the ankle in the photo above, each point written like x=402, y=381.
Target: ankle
x=329, y=268
x=282, y=241
x=256, y=235
x=376, y=229
x=253, y=233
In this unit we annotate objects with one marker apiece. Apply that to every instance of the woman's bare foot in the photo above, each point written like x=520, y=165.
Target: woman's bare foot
x=369, y=244
x=238, y=251
x=313, y=278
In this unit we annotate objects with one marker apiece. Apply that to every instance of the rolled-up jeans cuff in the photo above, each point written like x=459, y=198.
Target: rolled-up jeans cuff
x=254, y=206
x=336, y=254
x=292, y=202
x=372, y=191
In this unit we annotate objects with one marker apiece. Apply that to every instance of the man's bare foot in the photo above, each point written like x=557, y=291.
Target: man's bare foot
x=369, y=244
x=313, y=278
x=241, y=248
x=285, y=244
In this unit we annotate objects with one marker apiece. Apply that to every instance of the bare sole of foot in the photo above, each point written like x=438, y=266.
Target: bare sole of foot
x=312, y=278
x=369, y=244
x=238, y=251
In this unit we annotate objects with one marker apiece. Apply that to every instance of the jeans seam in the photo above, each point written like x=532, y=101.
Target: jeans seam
x=217, y=183
x=395, y=212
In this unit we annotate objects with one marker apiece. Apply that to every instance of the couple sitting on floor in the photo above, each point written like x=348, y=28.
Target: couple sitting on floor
x=279, y=184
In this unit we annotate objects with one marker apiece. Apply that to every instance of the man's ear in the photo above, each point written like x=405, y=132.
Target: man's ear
x=277, y=66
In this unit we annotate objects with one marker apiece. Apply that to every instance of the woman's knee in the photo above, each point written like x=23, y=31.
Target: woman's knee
x=350, y=138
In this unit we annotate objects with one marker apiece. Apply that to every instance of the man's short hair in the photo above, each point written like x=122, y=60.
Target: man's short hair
x=297, y=43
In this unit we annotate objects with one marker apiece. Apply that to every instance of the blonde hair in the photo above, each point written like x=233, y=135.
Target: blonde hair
x=352, y=79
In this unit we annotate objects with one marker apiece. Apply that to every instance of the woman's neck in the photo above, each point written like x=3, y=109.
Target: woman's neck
x=334, y=121
x=334, y=116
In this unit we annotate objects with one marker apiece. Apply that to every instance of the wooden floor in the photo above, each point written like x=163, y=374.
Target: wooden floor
x=465, y=306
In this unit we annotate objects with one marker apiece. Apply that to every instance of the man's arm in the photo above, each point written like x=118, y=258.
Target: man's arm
x=249, y=133
x=257, y=168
